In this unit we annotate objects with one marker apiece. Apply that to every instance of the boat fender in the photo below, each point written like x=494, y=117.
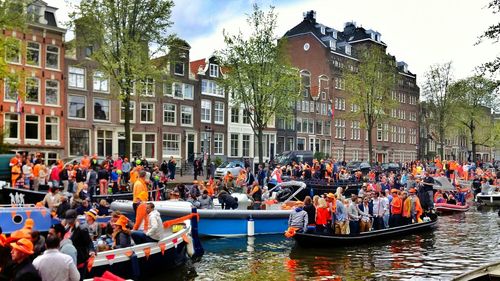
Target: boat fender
x=250, y=226
x=189, y=245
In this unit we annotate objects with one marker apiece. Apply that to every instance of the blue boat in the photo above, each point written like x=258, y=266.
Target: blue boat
x=228, y=223
x=13, y=218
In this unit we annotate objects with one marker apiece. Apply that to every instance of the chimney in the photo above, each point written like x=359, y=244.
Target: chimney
x=349, y=28
x=310, y=16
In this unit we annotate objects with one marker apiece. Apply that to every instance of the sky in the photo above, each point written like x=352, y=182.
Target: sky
x=421, y=33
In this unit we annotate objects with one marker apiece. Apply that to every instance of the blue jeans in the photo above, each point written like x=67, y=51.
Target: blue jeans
x=140, y=237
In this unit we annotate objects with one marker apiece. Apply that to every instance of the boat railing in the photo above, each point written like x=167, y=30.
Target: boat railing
x=17, y=205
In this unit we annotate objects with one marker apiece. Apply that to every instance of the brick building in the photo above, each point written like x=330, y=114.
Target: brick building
x=38, y=124
x=322, y=54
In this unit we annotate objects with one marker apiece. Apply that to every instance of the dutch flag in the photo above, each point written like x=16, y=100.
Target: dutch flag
x=19, y=104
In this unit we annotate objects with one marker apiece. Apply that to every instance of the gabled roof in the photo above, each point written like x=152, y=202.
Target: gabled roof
x=194, y=66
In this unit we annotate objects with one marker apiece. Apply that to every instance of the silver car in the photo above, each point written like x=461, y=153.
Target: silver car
x=232, y=166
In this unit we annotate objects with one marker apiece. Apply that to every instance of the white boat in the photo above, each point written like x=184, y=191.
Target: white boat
x=487, y=272
x=228, y=223
x=492, y=199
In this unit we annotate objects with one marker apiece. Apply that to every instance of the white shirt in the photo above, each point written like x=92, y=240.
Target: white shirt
x=55, y=266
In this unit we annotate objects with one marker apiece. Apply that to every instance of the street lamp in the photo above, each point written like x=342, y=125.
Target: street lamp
x=343, y=144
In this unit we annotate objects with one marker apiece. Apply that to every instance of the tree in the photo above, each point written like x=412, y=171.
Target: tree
x=440, y=101
x=475, y=97
x=492, y=33
x=126, y=34
x=370, y=88
x=259, y=73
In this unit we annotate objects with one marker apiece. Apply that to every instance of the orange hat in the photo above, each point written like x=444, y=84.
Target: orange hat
x=330, y=195
x=394, y=190
x=143, y=196
x=92, y=213
x=24, y=245
x=413, y=190
x=29, y=224
x=122, y=221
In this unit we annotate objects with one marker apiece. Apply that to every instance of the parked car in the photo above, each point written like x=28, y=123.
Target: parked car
x=297, y=156
x=391, y=167
x=4, y=166
x=232, y=166
x=358, y=166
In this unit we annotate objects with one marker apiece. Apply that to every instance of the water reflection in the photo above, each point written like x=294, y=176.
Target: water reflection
x=460, y=243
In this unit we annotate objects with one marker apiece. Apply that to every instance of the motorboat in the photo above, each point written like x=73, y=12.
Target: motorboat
x=490, y=272
x=445, y=208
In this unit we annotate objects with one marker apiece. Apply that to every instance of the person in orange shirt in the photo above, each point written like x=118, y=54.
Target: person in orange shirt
x=139, y=186
x=36, y=175
x=15, y=160
x=85, y=162
x=406, y=208
x=416, y=210
x=141, y=216
x=396, y=209
x=15, y=173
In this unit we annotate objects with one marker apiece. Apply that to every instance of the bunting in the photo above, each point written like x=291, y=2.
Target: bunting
x=90, y=263
x=147, y=252
x=129, y=253
x=28, y=213
x=185, y=238
x=163, y=247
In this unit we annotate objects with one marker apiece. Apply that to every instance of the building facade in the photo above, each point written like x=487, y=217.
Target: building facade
x=34, y=118
x=323, y=122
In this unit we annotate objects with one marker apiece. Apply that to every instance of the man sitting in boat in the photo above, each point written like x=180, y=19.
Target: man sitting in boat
x=92, y=225
x=154, y=231
x=298, y=219
x=206, y=202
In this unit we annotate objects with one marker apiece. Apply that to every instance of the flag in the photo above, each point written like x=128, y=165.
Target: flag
x=19, y=104
x=331, y=111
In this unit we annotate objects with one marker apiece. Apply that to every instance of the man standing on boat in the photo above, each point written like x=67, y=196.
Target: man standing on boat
x=139, y=186
x=353, y=214
x=341, y=217
x=428, y=185
x=81, y=240
x=396, y=209
x=298, y=219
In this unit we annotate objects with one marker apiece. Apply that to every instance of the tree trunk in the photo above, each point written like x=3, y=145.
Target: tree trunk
x=370, y=145
x=260, y=135
x=473, y=141
x=126, y=104
x=441, y=141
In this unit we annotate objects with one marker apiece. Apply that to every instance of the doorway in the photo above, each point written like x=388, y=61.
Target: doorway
x=190, y=147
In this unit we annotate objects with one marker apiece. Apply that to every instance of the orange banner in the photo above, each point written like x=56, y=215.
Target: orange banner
x=169, y=223
x=129, y=253
x=28, y=213
x=90, y=263
x=163, y=246
x=43, y=212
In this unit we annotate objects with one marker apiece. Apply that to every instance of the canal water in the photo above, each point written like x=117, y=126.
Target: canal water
x=460, y=243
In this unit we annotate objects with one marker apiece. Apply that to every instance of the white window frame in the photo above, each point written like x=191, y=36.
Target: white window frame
x=85, y=106
x=72, y=72
x=10, y=121
x=184, y=87
x=57, y=124
x=237, y=148
x=57, y=89
x=165, y=111
x=69, y=140
x=235, y=110
x=7, y=89
x=208, y=108
x=19, y=55
x=143, y=143
x=146, y=83
x=37, y=123
x=305, y=144
x=148, y=109
x=109, y=110
x=47, y=52
x=134, y=112
x=181, y=90
x=101, y=79
x=214, y=70
x=211, y=88
x=38, y=84
x=218, y=144
x=183, y=112
x=175, y=140
x=219, y=112
x=28, y=48
x=183, y=68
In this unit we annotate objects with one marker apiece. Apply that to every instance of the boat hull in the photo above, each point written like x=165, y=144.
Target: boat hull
x=444, y=208
x=14, y=218
x=487, y=272
x=489, y=200
x=307, y=240
x=220, y=223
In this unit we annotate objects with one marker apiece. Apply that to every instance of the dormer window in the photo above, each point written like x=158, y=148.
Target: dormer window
x=214, y=70
x=34, y=12
x=179, y=68
x=405, y=67
x=322, y=30
x=334, y=34
x=348, y=49
x=332, y=44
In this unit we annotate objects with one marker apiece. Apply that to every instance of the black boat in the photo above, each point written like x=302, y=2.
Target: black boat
x=311, y=240
x=21, y=196
x=321, y=186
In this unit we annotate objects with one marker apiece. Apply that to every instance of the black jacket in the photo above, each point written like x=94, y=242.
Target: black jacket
x=62, y=208
x=24, y=271
x=83, y=243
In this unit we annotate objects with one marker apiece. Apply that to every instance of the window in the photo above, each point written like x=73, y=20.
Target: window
x=311, y=106
x=177, y=90
x=214, y=70
x=290, y=124
x=169, y=114
x=10, y=91
x=319, y=127
x=144, y=145
x=298, y=125
x=235, y=138
x=89, y=51
x=246, y=146
x=33, y=54
x=235, y=115
x=206, y=110
x=52, y=92
x=301, y=144
x=131, y=110
x=306, y=83
x=339, y=128
x=32, y=90
x=311, y=126
x=328, y=128
x=386, y=132
x=11, y=126
x=179, y=68
x=77, y=107
x=379, y=132
x=348, y=49
x=324, y=109
x=32, y=129
x=210, y=87
x=340, y=103
x=394, y=135
x=289, y=145
x=13, y=51
x=104, y=143
x=100, y=82
x=355, y=130
x=186, y=115
x=339, y=83
x=52, y=57
x=354, y=107
x=147, y=112
x=305, y=125
x=78, y=142
x=246, y=116
x=76, y=77
x=101, y=109
x=51, y=128
x=219, y=143
x=171, y=145
x=188, y=91
x=219, y=112
x=413, y=136
x=148, y=87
